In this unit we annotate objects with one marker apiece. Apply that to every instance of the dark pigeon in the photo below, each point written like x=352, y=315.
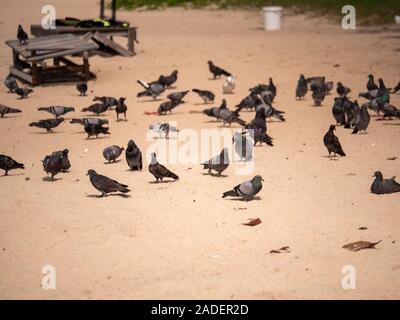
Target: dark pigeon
x=341, y=90
x=6, y=110
x=57, y=110
x=106, y=185
x=23, y=92
x=109, y=101
x=371, y=85
x=228, y=116
x=362, y=119
x=332, y=142
x=259, y=127
x=212, y=112
x=121, y=108
x=133, y=156
x=11, y=83
x=153, y=89
x=168, y=81
x=66, y=164
x=159, y=171
x=48, y=124
x=217, y=71
x=301, y=88
x=218, y=163
x=318, y=94
x=389, y=111
x=112, y=153
x=95, y=130
x=249, y=102
x=384, y=186
x=168, y=106
x=7, y=163
x=82, y=88
x=339, y=112
x=207, y=96
x=53, y=164
x=87, y=121
x=246, y=190
x=177, y=96
x=396, y=88
x=96, y=108
x=22, y=36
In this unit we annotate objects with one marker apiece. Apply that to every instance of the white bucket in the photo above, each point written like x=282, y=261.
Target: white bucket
x=272, y=18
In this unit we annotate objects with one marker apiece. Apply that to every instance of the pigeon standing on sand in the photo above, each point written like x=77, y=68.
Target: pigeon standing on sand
x=168, y=106
x=341, y=90
x=339, y=112
x=301, y=88
x=177, y=96
x=95, y=130
x=249, y=102
x=22, y=36
x=7, y=163
x=207, y=96
x=6, y=110
x=82, y=88
x=243, y=145
x=109, y=101
x=133, y=156
x=384, y=186
x=259, y=126
x=168, y=81
x=159, y=171
x=318, y=94
x=87, y=121
x=121, y=108
x=57, y=110
x=153, y=89
x=228, y=116
x=11, y=83
x=53, y=164
x=23, y=92
x=96, y=108
x=217, y=71
x=212, y=112
x=163, y=127
x=246, y=190
x=48, y=124
x=332, y=142
x=362, y=119
x=112, y=153
x=270, y=111
x=106, y=185
x=218, y=163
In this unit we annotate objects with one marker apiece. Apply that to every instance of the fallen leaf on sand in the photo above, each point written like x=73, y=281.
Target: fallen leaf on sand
x=362, y=228
x=252, y=222
x=240, y=208
x=281, y=250
x=392, y=158
x=360, y=245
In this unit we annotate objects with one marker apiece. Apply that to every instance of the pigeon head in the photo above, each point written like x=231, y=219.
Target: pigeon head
x=131, y=144
x=257, y=179
x=61, y=119
x=122, y=99
x=381, y=84
x=91, y=173
x=210, y=63
x=378, y=175
x=65, y=152
x=175, y=72
x=332, y=127
x=370, y=76
x=18, y=165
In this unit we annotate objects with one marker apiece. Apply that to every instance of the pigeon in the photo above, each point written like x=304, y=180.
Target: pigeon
x=271, y=111
x=383, y=92
x=87, y=121
x=6, y=110
x=7, y=163
x=97, y=108
x=217, y=71
x=272, y=89
x=248, y=102
x=22, y=35
x=168, y=106
x=339, y=112
x=246, y=190
x=390, y=111
x=370, y=95
x=218, y=163
x=177, y=96
x=95, y=130
x=301, y=88
x=163, y=127
x=229, y=85
x=212, y=112
x=362, y=119
x=266, y=91
x=326, y=86
x=396, y=88
x=332, y=142
x=207, y=96
x=66, y=164
x=159, y=171
x=57, y=110
x=47, y=124
x=341, y=90
x=371, y=85
x=259, y=127
x=228, y=116
x=82, y=88
x=23, y=92
x=121, y=108
x=168, y=81
x=133, y=156
x=355, y=113
x=349, y=111
x=384, y=186
x=360, y=245
x=112, y=153
x=11, y=83
x=109, y=101
x=318, y=94
x=153, y=89
x=53, y=164
x=243, y=146
x=106, y=185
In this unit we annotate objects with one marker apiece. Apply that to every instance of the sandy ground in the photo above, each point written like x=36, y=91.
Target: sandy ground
x=181, y=240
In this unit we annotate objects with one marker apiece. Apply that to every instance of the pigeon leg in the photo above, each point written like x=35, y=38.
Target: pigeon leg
x=6, y=174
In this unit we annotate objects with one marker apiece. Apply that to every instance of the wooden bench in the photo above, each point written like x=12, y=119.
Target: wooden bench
x=30, y=65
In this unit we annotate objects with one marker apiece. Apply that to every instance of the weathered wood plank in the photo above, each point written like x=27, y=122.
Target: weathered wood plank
x=111, y=44
x=21, y=75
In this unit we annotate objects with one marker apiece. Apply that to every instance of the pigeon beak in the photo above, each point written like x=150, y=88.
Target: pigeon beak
x=262, y=179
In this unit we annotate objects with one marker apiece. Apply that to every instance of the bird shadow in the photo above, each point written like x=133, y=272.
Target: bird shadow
x=95, y=139
x=122, y=195
x=331, y=158
x=202, y=103
x=45, y=132
x=391, y=124
x=215, y=175
x=12, y=175
x=119, y=120
x=11, y=117
x=49, y=179
x=164, y=181
x=151, y=100
x=244, y=200
x=112, y=162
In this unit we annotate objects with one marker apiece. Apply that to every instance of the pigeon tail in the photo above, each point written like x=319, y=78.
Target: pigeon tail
x=230, y=193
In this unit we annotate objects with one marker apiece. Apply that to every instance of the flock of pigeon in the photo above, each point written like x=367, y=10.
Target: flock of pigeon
x=346, y=113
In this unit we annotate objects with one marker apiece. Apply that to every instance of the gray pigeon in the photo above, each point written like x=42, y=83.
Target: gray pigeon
x=106, y=185
x=270, y=111
x=384, y=186
x=87, y=121
x=96, y=108
x=159, y=171
x=389, y=111
x=228, y=116
x=168, y=106
x=11, y=83
x=112, y=153
x=243, y=146
x=246, y=190
x=248, y=102
x=218, y=163
x=6, y=110
x=23, y=92
x=7, y=163
x=48, y=124
x=153, y=89
x=177, y=96
x=362, y=119
x=57, y=110
x=301, y=88
x=133, y=156
x=207, y=96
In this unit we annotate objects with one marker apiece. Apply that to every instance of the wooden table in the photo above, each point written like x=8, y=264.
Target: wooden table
x=30, y=65
x=103, y=35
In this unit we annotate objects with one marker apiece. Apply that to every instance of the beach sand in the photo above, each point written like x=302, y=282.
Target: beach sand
x=181, y=240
